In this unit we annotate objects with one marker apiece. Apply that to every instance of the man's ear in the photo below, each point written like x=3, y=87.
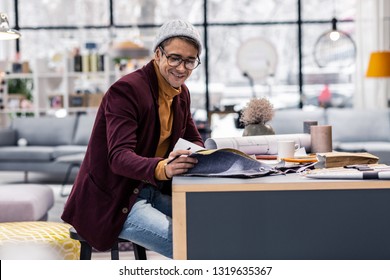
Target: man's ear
x=157, y=55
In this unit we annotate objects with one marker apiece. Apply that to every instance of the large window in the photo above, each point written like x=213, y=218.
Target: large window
x=52, y=27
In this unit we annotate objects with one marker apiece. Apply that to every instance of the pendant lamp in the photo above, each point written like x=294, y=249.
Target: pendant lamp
x=334, y=48
x=6, y=33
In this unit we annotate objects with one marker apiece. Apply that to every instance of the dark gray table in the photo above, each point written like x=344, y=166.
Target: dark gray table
x=280, y=217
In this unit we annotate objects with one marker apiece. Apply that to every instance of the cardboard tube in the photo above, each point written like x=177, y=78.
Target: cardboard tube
x=321, y=138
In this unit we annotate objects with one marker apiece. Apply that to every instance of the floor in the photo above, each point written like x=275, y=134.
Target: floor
x=54, y=182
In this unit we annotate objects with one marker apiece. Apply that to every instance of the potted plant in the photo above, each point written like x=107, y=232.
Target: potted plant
x=255, y=116
x=20, y=94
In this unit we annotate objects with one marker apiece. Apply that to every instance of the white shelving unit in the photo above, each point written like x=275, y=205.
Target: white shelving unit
x=65, y=84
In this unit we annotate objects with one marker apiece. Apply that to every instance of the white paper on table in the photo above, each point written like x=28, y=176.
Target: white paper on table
x=356, y=175
x=183, y=144
x=258, y=145
x=301, y=152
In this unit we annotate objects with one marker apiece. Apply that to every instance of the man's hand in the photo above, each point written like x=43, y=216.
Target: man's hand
x=178, y=162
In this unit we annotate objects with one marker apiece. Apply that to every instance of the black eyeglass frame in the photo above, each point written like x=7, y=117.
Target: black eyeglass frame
x=179, y=60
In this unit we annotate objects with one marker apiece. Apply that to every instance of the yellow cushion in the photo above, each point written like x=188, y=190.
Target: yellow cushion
x=37, y=240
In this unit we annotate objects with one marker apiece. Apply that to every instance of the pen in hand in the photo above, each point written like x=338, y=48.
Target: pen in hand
x=176, y=157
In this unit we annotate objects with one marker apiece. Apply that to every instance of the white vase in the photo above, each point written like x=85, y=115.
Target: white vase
x=258, y=129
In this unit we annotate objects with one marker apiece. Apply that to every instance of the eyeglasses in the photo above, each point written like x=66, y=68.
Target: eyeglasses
x=175, y=60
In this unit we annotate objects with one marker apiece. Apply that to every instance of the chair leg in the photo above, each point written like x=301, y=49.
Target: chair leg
x=68, y=172
x=26, y=176
x=139, y=252
x=115, y=252
x=85, y=251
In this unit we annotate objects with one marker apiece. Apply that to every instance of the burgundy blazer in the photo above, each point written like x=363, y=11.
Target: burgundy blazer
x=120, y=157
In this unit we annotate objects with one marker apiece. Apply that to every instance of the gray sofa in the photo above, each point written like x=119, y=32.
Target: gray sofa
x=48, y=140
x=353, y=130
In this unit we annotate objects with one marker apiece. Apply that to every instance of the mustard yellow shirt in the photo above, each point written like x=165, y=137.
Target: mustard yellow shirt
x=166, y=93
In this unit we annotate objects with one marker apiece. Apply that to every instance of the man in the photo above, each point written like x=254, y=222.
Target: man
x=123, y=186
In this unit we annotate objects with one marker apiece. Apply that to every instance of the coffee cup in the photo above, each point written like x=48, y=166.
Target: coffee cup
x=286, y=149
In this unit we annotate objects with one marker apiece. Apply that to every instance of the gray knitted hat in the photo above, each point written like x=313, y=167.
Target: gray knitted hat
x=174, y=28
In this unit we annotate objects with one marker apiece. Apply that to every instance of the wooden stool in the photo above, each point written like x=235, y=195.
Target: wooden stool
x=86, y=249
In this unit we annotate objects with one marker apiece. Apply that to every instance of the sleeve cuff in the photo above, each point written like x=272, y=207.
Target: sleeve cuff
x=159, y=172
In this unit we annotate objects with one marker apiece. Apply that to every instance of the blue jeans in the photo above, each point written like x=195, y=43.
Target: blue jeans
x=149, y=222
